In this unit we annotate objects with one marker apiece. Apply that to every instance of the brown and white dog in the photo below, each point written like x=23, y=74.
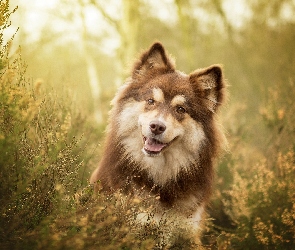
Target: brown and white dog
x=163, y=137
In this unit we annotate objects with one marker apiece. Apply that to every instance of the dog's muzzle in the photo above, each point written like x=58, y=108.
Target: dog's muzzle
x=153, y=146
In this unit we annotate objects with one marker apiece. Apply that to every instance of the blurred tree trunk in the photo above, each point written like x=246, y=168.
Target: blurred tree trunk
x=218, y=6
x=91, y=68
x=183, y=9
x=129, y=32
x=127, y=28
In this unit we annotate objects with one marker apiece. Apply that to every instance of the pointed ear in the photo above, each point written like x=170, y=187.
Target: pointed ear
x=153, y=61
x=209, y=85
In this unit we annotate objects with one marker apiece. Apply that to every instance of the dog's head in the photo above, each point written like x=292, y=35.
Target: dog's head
x=164, y=116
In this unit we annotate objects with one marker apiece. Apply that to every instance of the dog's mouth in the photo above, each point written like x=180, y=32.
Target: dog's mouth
x=152, y=146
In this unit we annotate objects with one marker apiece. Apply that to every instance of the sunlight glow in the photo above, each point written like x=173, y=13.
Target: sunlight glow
x=65, y=21
x=237, y=12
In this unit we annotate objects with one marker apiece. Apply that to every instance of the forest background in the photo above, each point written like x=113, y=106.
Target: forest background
x=55, y=94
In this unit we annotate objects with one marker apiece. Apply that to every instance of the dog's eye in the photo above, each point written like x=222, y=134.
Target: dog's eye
x=180, y=109
x=151, y=101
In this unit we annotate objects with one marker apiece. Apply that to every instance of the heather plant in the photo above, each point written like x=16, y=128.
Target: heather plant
x=40, y=144
x=261, y=206
x=277, y=114
x=256, y=200
x=37, y=153
x=108, y=222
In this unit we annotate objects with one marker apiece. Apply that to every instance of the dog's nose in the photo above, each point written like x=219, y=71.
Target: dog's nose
x=157, y=127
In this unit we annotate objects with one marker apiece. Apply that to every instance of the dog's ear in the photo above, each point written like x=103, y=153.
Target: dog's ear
x=153, y=61
x=209, y=85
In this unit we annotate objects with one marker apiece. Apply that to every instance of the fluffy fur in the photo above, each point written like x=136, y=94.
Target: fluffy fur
x=162, y=136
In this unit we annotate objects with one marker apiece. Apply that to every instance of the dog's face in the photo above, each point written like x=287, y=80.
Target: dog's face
x=164, y=117
x=165, y=121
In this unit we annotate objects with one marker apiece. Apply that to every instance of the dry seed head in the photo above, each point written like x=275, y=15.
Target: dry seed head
x=136, y=201
x=37, y=85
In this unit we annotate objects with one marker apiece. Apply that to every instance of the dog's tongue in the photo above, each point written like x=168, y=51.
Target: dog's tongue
x=153, y=145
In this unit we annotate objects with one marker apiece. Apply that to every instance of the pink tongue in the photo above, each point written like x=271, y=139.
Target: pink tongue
x=153, y=145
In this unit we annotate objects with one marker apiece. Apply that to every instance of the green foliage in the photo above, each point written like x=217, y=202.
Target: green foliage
x=41, y=149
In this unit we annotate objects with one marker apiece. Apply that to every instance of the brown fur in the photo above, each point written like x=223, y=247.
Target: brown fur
x=204, y=92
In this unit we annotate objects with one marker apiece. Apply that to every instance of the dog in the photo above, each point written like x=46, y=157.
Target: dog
x=163, y=136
